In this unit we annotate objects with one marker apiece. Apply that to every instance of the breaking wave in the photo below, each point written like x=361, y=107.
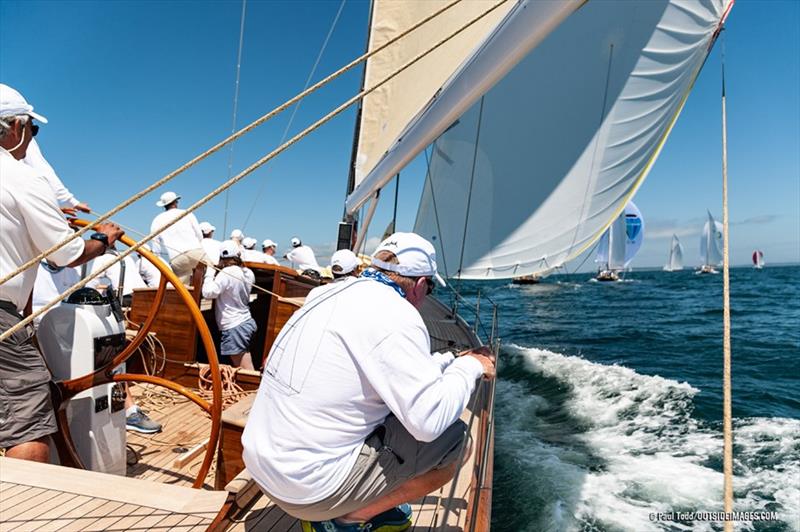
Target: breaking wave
x=587, y=446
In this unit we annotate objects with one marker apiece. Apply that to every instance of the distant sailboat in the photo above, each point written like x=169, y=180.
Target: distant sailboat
x=711, y=246
x=675, y=262
x=620, y=243
x=758, y=259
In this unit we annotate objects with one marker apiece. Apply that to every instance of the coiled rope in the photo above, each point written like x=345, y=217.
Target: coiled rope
x=208, y=197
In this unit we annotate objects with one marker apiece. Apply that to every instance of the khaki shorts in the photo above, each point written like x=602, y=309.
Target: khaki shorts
x=26, y=413
x=184, y=263
x=390, y=456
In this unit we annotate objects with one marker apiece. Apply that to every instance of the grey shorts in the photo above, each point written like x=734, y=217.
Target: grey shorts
x=26, y=413
x=389, y=457
x=236, y=341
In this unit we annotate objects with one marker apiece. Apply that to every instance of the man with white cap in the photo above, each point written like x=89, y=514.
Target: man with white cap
x=250, y=253
x=302, y=257
x=231, y=287
x=354, y=416
x=269, y=247
x=210, y=246
x=31, y=222
x=35, y=159
x=237, y=236
x=344, y=264
x=180, y=245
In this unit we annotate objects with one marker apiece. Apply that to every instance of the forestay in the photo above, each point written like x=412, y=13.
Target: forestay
x=389, y=109
x=536, y=170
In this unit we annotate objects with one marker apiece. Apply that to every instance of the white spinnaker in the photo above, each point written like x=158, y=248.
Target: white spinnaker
x=711, y=242
x=675, y=261
x=563, y=141
x=386, y=111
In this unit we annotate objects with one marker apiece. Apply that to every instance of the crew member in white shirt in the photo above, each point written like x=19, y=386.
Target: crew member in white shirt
x=249, y=253
x=51, y=282
x=31, y=222
x=66, y=199
x=181, y=244
x=210, y=245
x=302, y=257
x=269, y=247
x=114, y=277
x=231, y=288
x=237, y=236
x=354, y=416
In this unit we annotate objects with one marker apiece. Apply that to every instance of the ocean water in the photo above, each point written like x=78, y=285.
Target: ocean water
x=609, y=400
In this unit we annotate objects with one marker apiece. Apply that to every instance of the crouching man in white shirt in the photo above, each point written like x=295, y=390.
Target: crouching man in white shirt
x=231, y=288
x=354, y=416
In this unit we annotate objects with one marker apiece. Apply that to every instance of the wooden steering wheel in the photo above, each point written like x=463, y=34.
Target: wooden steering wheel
x=67, y=389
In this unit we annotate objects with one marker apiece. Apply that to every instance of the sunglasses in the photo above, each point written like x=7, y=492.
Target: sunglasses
x=34, y=129
x=430, y=284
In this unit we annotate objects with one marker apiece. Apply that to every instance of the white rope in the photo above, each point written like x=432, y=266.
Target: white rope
x=208, y=197
x=136, y=197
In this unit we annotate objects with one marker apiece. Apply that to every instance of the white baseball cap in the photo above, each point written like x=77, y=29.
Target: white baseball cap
x=416, y=256
x=206, y=227
x=229, y=249
x=296, y=242
x=237, y=233
x=344, y=259
x=167, y=198
x=12, y=103
x=249, y=242
x=268, y=244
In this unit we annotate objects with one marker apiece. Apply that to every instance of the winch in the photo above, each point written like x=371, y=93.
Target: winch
x=77, y=337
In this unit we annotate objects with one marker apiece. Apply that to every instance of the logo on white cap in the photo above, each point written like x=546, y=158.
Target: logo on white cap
x=12, y=103
x=167, y=198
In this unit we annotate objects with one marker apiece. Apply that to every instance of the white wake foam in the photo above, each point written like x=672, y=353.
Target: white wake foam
x=632, y=448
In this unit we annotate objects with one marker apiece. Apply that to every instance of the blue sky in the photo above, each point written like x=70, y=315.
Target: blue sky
x=135, y=89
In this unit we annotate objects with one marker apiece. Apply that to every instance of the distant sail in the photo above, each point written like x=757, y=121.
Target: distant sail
x=711, y=242
x=624, y=238
x=675, y=262
x=758, y=259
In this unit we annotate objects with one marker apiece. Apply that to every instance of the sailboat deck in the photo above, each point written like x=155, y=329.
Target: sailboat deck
x=44, y=497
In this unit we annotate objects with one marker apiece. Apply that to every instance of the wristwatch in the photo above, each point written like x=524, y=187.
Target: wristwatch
x=100, y=237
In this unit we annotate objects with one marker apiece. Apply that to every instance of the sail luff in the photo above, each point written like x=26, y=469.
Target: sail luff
x=523, y=28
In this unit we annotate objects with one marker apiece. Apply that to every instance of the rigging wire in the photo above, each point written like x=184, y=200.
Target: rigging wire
x=727, y=422
x=295, y=109
x=235, y=108
x=224, y=186
x=136, y=197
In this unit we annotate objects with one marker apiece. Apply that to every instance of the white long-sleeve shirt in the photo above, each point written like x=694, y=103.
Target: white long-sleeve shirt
x=35, y=159
x=333, y=375
x=211, y=247
x=251, y=255
x=231, y=288
x=303, y=259
x=132, y=278
x=30, y=222
x=51, y=283
x=179, y=238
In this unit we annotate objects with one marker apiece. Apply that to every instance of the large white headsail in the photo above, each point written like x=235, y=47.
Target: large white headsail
x=385, y=112
x=711, y=242
x=535, y=171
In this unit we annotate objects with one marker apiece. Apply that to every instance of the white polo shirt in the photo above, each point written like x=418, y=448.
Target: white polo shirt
x=356, y=352
x=179, y=238
x=35, y=159
x=304, y=259
x=30, y=222
x=211, y=247
x=231, y=288
x=251, y=255
x=50, y=284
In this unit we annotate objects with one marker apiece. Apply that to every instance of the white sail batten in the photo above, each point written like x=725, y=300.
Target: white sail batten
x=386, y=111
x=675, y=262
x=526, y=24
x=553, y=152
x=711, y=242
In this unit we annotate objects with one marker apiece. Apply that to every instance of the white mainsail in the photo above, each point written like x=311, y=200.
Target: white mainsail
x=386, y=111
x=711, y=242
x=675, y=262
x=531, y=175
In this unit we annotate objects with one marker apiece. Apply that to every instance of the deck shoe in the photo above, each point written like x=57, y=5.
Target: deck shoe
x=394, y=520
x=139, y=422
x=333, y=526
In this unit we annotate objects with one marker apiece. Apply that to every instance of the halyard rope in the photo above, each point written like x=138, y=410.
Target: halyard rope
x=208, y=197
x=240, y=133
